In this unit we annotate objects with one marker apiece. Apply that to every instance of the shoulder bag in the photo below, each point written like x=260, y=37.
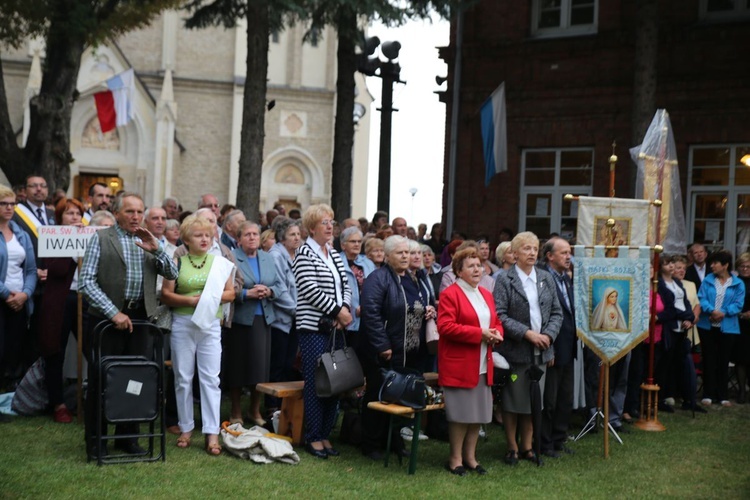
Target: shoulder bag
x=338, y=370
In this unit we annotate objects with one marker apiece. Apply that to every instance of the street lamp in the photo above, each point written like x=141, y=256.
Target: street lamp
x=389, y=72
x=413, y=192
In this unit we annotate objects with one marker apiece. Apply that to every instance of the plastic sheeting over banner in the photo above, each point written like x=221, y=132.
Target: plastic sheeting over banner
x=659, y=178
x=611, y=300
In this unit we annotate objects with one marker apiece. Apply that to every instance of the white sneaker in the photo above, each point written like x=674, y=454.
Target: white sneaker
x=482, y=434
x=726, y=403
x=706, y=401
x=407, y=434
x=669, y=401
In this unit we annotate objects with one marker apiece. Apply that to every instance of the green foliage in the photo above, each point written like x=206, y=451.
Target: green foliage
x=91, y=21
x=225, y=13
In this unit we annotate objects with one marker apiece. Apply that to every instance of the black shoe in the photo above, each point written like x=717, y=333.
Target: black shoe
x=4, y=419
x=478, y=469
x=666, y=408
x=129, y=447
x=316, y=453
x=551, y=453
x=331, y=452
x=696, y=407
x=374, y=455
x=402, y=452
x=564, y=449
x=93, y=452
x=458, y=470
x=511, y=458
x=531, y=456
x=620, y=429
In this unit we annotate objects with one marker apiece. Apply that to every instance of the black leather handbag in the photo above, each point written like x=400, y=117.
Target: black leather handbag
x=406, y=388
x=338, y=371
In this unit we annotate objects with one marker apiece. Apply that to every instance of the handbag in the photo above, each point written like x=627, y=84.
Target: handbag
x=337, y=371
x=406, y=388
x=431, y=336
x=163, y=318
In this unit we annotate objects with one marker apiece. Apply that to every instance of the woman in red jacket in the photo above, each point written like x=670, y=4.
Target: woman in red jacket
x=468, y=327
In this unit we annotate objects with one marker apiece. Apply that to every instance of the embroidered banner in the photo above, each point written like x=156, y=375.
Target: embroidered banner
x=611, y=300
x=630, y=228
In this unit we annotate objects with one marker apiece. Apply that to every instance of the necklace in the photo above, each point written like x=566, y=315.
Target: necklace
x=205, y=259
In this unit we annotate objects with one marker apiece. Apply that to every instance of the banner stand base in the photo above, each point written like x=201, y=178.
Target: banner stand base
x=649, y=420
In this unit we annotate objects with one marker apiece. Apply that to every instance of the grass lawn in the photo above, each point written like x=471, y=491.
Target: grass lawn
x=705, y=457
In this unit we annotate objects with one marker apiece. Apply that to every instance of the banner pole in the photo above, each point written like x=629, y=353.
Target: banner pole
x=606, y=368
x=79, y=357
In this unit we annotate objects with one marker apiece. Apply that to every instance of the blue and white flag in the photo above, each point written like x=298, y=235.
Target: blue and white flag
x=494, y=134
x=612, y=300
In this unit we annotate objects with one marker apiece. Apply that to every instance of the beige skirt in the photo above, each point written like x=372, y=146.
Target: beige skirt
x=469, y=406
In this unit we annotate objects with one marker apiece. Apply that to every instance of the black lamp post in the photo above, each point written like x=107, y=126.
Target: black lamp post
x=389, y=72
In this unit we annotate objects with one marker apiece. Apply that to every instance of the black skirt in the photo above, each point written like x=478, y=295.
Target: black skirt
x=246, y=354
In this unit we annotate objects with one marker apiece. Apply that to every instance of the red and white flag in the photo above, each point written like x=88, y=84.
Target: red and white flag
x=114, y=106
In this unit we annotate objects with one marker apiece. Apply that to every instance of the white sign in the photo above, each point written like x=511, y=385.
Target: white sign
x=65, y=241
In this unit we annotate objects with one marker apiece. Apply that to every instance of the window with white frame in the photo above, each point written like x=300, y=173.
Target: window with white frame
x=548, y=174
x=719, y=196
x=555, y=18
x=728, y=10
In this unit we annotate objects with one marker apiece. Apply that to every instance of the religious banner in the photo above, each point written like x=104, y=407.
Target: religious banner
x=629, y=225
x=611, y=300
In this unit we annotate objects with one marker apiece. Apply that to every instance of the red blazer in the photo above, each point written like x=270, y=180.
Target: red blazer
x=461, y=337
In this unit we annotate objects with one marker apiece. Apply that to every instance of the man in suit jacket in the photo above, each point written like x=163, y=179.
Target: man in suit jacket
x=33, y=213
x=232, y=221
x=558, y=389
x=98, y=199
x=697, y=271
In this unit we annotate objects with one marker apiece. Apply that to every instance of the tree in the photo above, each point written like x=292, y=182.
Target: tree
x=68, y=28
x=344, y=16
x=262, y=17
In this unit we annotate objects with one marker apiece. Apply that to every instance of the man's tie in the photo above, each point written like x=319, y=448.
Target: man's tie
x=40, y=216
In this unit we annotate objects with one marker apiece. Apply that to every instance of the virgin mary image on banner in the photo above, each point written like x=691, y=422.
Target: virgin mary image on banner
x=608, y=315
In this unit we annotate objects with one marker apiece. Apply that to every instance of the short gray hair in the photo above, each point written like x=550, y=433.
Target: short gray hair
x=99, y=216
x=414, y=245
x=167, y=200
x=393, y=241
x=228, y=217
x=426, y=249
x=348, y=233
x=281, y=224
x=173, y=223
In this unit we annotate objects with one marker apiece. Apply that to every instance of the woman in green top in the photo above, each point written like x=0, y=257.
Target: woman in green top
x=203, y=284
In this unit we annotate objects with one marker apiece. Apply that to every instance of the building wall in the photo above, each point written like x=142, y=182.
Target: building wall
x=578, y=91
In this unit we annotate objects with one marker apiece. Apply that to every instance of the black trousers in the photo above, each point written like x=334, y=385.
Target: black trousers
x=12, y=331
x=558, y=406
x=114, y=343
x=53, y=365
x=716, y=348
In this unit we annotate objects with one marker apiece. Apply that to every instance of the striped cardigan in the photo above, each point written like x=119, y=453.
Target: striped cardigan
x=316, y=288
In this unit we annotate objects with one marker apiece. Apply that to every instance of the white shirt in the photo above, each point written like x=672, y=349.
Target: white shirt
x=701, y=271
x=326, y=257
x=532, y=294
x=35, y=208
x=476, y=299
x=16, y=257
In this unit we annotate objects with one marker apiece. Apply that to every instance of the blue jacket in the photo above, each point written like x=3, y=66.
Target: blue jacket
x=244, y=310
x=731, y=307
x=368, y=267
x=285, y=306
x=29, y=266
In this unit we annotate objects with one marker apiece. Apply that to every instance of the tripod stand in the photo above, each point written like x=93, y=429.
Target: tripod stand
x=602, y=396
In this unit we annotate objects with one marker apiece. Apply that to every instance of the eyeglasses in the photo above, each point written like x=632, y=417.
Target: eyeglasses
x=743, y=266
x=210, y=205
x=37, y=185
x=328, y=222
x=7, y=204
x=356, y=242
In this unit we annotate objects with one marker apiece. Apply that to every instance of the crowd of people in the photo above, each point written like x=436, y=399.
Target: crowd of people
x=258, y=298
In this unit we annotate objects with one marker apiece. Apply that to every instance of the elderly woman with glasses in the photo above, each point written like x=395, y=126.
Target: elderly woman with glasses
x=324, y=298
x=18, y=279
x=358, y=267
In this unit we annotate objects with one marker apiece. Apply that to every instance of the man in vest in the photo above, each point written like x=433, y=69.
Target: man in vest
x=118, y=278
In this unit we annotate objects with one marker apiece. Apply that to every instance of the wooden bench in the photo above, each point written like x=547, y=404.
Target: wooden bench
x=394, y=410
x=292, y=417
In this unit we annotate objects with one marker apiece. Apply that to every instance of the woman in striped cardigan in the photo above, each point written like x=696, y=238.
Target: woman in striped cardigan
x=323, y=303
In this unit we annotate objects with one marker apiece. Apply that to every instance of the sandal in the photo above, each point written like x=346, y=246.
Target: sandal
x=213, y=449
x=531, y=456
x=511, y=458
x=183, y=441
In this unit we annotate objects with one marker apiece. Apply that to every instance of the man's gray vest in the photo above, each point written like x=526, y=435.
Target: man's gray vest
x=111, y=273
